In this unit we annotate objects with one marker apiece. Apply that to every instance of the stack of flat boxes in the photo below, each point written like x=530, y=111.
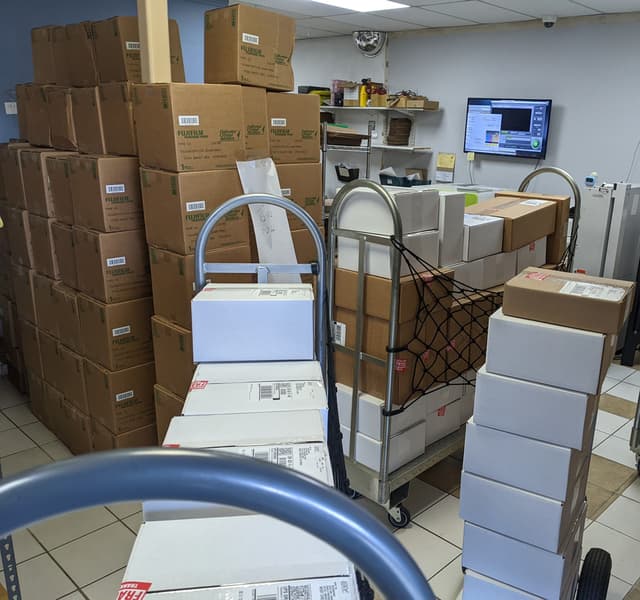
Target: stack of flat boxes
x=528, y=446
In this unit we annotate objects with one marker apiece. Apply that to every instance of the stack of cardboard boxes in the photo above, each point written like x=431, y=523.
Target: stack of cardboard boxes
x=528, y=446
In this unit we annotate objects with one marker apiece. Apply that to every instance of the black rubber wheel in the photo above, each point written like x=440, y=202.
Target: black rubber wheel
x=638, y=465
x=351, y=493
x=405, y=518
x=594, y=577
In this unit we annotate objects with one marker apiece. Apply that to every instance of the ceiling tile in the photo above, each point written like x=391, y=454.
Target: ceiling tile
x=477, y=11
x=327, y=25
x=426, y=18
x=373, y=22
x=542, y=8
x=612, y=6
x=303, y=8
x=305, y=33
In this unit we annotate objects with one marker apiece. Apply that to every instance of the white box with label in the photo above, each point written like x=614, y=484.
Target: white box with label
x=451, y=227
x=235, y=557
x=468, y=274
x=528, y=464
x=482, y=236
x=477, y=586
x=253, y=322
x=532, y=255
x=442, y=421
x=541, y=412
x=544, y=353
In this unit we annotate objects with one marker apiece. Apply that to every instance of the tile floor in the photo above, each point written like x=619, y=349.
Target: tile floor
x=82, y=556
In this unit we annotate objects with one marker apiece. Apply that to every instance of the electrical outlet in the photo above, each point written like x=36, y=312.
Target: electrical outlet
x=374, y=135
x=11, y=108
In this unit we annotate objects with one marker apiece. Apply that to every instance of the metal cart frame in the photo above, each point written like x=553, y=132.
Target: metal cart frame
x=386, y=488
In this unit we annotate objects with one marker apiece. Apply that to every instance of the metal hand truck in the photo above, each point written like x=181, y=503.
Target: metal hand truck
x=9, y=563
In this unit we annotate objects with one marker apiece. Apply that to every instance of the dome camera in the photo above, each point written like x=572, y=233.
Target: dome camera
x=549, y=22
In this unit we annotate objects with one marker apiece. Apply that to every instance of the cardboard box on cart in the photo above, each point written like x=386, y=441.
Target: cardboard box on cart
x=167, y=406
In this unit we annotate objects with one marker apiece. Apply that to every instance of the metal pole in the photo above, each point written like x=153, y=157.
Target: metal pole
x=9, y=565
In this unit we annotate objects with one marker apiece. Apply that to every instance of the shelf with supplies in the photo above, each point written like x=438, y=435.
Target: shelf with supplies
x=417, y=149
x=382, y=108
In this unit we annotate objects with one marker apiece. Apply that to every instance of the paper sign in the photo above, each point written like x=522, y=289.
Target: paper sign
x=445, y=167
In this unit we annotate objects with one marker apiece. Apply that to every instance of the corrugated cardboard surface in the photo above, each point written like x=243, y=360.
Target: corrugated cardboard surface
x=21, y=101
x=51, y=366
x=81, y=60
x=536, y=294
x=173, y=279
x=12, y=173
x=254, y=103
x=105, y=192
x=60, y=55
x=44, y=254
x=22, y=279
x=44, y=297
x=73, y=427
x=116, y=105
x=121, y=400
x=65, y=301
x=302, y=183
x=294, y=126
x=37, y=399
x=126, y=251
x=64, y=249
x=51, y=401
x=116, y=336
x=87, y=119
x=42, y=54
x=173, y=351
x=103, y=439
x=63, y=131
x=58, y=171
x=177, y=204
x=249, y=45
x=72, y=379
x=167, y=405
x=37, y=114
x=19, y=237
x=189, y=127
x=31, y=347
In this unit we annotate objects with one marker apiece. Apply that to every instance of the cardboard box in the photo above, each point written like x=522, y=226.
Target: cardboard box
x=37, y=400
x=378, y=257
x=65, y=301
x=12, y=173
x=523, y=408
x=497, y=268
x=532, y=255
x=569, y=299
x=6, y=284
x=87, y=119
x=189, y=127
x=9, y=333
x=528, y=464
x=173, y=279
x=122, y=400
x=45, y=259
x=76, y=432
x=72, y=380
x=116, y=106
x=477, y=585
x=519, y=564
x=103, y=439
x=81, y=59
x=303, y=245
x=549, y=354
x=249, y=45
x=31, y=348
x=442, y=421
x=60, y=55
x=167, y=406
x=450, y=226
x=51, y=366
x=254, y=104
x=524, y=220
x=52, y=404
x=39, y=128
x=45, y=303
x=63, y=131
x=42, y=54
x=22, y=279
x=105, y=192
x=116, y=336
x=280, y=559
x=36, y=181
x=187, y=199
x=294, y=127
x=482, y=236
x=117, y=47
x=302, y=184
x=266, y=322
x=23, y=112
x=173, y=351
x=19, y=237
x=62, y=236
x=112, y=267
x=58, y=172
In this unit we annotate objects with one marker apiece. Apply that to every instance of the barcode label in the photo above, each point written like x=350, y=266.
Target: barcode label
x=593, y=290
x=117, y=261
x=340, y=333
x=193, y=206
x=266, y=597
x=286, y=192
x=284, y=457
x=535, y=202
x=275, y=391
x=188, y=120
x=115, y=188
x=249, y=38
x=322, y=588
x=132, y=45
x=261, y=454
x=273, y=293
x=121, y=331
x=124, y=396
x=278, y=122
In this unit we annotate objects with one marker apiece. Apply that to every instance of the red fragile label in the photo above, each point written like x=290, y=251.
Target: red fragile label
x=426, y=277
x=537, y=275
x=400, y=365
x=441, y=411
x=199, y=384
x=133, y=590
x=532, y=246
x=171, y=446
x=426, y=354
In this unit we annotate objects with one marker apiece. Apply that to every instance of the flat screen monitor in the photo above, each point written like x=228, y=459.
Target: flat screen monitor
x=507, y=127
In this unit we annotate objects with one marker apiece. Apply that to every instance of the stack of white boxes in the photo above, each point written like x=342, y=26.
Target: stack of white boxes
x=528, y=445
x=267, y=402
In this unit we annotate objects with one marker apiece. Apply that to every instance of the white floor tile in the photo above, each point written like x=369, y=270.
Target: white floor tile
x=443, y=520
x=633, y=491
x=608, y=422
x=422, y=496
x=623, y=549
x=377, y=511
x=57, y=450
x=10, y=396
x=23, y=461
x=41, y=579
x=608, y=383
x=618, y=589
x=623, y=516
x=25, y=546
x=5, y=423
x=106, y=588
x=599, y=437
x=74, y=596
x=430, y=552
x=620, y=372
x=133, y=522
x=633, y=379
x=39, y=433
x=13, y=440
x=96, y=555
x=20, y=415
x=625, y=431
x=61, y=530
x=626, y=391
x=447, y=584
x=617, y=450
x=124, y=509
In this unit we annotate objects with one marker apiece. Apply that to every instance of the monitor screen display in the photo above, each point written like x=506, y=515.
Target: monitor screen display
x=507, y=127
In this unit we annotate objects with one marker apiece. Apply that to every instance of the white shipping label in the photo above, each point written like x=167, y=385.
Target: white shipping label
x=117, y=261
x=340, y=333
x=286, y=192
x=124, y=396
x=593, y=290
x=476, y=219
x=193, y=206
x=115, y=188
x=287, y=391
x=188, y=120
x=249, y=38
x=132, y=45
x=534, y=202
x=121, y=331
x=282, y=293
x=278, y=122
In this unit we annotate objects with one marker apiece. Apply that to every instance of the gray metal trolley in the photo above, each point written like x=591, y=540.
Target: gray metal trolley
x=386, y=488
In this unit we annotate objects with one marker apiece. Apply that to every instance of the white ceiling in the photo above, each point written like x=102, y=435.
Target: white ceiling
x=320, y=20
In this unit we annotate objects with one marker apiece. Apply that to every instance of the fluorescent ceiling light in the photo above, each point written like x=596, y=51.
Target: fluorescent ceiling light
x=363, y=5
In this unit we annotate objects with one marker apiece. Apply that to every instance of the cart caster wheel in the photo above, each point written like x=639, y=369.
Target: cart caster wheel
x=638, y=465
x=351, y=493
x=594, y=577
x=399, y=516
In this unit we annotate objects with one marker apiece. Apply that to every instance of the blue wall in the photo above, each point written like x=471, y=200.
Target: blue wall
x=19, y=17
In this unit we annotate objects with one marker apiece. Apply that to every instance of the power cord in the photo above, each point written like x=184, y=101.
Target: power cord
x=633, y=161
